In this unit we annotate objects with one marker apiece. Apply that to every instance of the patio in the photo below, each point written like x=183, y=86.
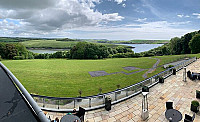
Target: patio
x=174, y=89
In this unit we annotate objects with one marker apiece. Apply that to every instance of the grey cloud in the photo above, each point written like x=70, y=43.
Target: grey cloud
x=26, y=4
x=49, y=16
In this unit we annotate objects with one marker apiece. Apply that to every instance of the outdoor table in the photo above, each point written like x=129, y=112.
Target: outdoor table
x=70, y=118
x=173, y=115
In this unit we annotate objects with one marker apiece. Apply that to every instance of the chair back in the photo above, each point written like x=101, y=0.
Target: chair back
x=81, y=112
x=188, y=118
x=169, y=105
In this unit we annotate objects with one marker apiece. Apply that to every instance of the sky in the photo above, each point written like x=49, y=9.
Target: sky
x=99, y=19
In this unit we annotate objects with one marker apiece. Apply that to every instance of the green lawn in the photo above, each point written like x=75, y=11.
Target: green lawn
x=63, y=78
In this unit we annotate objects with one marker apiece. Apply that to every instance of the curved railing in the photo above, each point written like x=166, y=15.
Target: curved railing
x=57, y=104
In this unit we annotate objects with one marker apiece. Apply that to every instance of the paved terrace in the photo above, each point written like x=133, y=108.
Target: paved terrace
x=174, y=89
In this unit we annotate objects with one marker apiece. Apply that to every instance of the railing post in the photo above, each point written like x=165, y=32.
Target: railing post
x=58, y=103
x=103, y=99
x=43, y=102
x=90, y=102
x=74, y=103
x=115, y=96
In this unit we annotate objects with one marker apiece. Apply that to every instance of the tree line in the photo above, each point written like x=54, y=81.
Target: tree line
x=82, y=50
x=187, y=44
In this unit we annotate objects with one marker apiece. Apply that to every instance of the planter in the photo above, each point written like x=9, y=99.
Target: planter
x=119, y=92
x=194, y=106
x=161, y=80
x=145, y=89
x=197, y=94
x=174, y=71
x=100, y=97
x=108, y=103
x=79, y=100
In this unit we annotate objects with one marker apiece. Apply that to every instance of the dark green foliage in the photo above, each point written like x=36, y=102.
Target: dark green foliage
x=66, y=39
x=18, y=57
x=195, y=44
x=177, y=46
x=195, y=103
x=169, y=66
x=42, y=56
x=10, y=50
x=84, y=50
x=0, y=58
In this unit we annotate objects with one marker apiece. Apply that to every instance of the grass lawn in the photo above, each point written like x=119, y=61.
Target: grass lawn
x=63, y=78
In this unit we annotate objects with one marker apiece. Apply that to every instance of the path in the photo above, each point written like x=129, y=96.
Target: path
x=151, y=69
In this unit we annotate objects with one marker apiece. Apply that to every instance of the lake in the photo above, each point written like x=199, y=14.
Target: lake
x=142, y=47
x=44, y=51
x=138, y=48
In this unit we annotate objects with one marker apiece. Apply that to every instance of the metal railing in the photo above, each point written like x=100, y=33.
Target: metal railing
x=26, y=95
x=57, y=104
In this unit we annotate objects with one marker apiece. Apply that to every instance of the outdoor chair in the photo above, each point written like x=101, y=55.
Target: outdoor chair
x=169, y=105
x=81, y=114
x=189, y=74
x=188, y=118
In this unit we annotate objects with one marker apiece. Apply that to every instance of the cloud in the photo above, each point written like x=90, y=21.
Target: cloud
x=181, y=16
x=197, y=14
x=119, y=1
x=147, y=30
x=51, y=15
x=141, y=20
x=124, y=5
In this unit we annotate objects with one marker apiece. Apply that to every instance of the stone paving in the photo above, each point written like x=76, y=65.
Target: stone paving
x=174, y=89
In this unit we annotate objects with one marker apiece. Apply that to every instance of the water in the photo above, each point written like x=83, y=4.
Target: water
x=142, y=47
x=138, y=48
x=43, y=51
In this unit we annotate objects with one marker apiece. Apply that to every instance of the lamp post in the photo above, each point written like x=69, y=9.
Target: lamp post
x=145, y=113
x=184, y=74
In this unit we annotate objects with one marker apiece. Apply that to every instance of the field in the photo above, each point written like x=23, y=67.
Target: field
x=53, y=44
x=63, y=78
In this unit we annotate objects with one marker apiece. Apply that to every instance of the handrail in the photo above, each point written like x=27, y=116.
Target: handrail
x=108, y=93
x=31, y=101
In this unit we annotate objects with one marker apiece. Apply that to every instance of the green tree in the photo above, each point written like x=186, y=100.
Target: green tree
x=175, y=45
x=194, y=44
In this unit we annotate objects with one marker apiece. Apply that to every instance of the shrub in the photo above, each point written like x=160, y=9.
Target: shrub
x=119, y=55
x=195, y=103
x=18, y=57
x=0, y=58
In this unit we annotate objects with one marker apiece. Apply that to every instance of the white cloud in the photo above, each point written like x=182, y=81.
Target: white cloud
x=124, y=5
x=197, y=14
x=119, y=1
x=59, y=15
x=181, y=16
x=141, y=20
